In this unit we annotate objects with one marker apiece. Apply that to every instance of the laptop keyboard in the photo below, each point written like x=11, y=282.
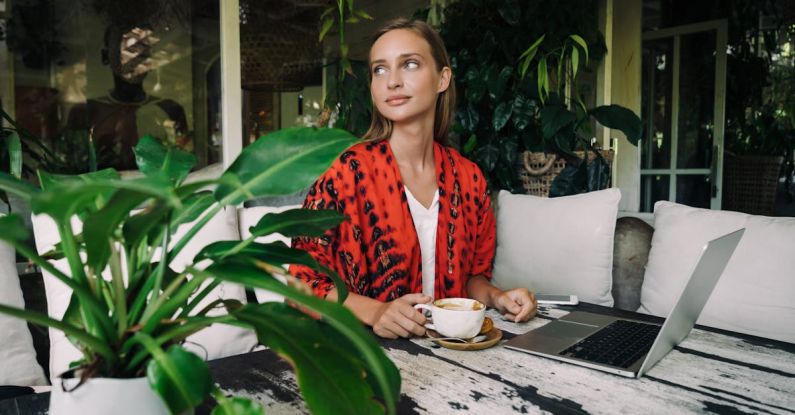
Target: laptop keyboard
x=619, y=344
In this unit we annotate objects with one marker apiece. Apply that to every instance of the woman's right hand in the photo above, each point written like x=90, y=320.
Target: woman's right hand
x=399, y=318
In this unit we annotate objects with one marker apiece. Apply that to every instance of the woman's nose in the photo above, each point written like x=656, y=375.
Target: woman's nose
x=394, y=81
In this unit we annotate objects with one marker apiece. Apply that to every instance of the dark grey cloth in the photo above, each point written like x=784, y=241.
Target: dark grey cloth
x=630, y=252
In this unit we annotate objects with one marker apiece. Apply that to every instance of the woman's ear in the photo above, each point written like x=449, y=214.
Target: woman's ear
x=444, y=80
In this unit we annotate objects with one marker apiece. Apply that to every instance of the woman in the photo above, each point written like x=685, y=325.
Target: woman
x=421, y=224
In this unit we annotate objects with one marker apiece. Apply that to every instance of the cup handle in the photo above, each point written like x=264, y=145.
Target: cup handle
x=427, y=308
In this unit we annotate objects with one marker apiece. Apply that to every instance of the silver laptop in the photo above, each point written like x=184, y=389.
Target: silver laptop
x=628, y=347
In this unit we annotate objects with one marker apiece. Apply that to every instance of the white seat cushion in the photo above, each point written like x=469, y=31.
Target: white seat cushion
x=755, y=294
x=557, y=245
x=248, y=217
x=18, y=364
x=211, y=343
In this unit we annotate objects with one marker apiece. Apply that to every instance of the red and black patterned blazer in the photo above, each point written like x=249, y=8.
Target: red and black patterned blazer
x=377, y=252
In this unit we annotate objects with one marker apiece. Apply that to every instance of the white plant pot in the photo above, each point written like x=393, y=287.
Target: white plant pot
x=106, y=396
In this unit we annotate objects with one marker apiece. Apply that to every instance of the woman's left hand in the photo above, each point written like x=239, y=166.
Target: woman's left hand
x=518, y=304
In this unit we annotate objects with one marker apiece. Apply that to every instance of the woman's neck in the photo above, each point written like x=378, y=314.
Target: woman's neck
x=412, y=145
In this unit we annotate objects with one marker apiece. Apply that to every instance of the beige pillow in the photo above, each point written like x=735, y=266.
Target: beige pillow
x=755, y=294
x=18, y=364
x=558, y=245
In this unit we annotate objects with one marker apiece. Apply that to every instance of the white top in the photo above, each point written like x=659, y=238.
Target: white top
x=425, y=223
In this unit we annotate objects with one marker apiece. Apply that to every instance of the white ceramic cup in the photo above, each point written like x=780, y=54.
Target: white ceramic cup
x=455, y=317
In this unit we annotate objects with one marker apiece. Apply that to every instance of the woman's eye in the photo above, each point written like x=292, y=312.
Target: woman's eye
x=412, y=65
x=378, y=70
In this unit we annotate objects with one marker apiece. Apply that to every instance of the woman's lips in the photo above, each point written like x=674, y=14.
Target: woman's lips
x=396, y=100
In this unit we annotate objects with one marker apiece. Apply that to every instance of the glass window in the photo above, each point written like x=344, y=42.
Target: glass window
x=281, y=64
x=102, y=74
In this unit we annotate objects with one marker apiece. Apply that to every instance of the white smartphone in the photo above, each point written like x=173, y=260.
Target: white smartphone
x=557, y=299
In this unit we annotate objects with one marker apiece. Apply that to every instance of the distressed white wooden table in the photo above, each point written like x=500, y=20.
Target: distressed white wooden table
x=710, y=371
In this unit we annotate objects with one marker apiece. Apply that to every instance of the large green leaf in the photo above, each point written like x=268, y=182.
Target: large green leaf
x=476, y=85
x=237, y=406
x=144, y=223
x=501, y=115
x=297, y=222
x=274, y=253
x=14, y=154
x=469, y=118
x=620, y=118
x=154, y=158
x=572, y=180
x=17, y=187
x=99, y=227
x=331, y=377
x=381, y=372
x=522, y=113
x=13, y=229
x=581, y=42
x=497, y=81
x=598, y=173
x=554, y=118
x=470, y=144
x=64, y=199
x=192, y=208
x=487, y=156
x=509, y=148
x=180, y=377
x=282, y=163
x=48, y=180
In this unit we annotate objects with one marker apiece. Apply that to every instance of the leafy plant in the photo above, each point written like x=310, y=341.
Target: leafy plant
x=508, y=105
x=132, y=323
x=72, y=152
x=566, y=126
x=348, y=104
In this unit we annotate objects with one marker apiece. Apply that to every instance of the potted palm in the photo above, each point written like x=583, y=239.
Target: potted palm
x=131, y=325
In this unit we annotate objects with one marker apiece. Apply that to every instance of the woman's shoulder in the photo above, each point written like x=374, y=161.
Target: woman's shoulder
x=359, y=156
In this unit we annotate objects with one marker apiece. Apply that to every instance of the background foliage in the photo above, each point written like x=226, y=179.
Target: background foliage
x=498, y=112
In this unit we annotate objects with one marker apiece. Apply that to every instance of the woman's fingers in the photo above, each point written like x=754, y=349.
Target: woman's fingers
x=517, y=305
x=415, y=298
x=396, y=328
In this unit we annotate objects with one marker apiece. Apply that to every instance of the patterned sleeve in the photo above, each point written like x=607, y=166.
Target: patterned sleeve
x=322, y=195
x=486, y=240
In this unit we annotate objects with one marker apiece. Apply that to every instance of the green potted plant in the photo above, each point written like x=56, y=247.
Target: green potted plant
x=77, y=154
x=566, y=123
x=505, y=56
x=760, y=114
x=348, y=104
x=131, y=325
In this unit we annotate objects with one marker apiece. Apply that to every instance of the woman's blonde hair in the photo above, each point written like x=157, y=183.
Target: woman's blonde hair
x=380, y=126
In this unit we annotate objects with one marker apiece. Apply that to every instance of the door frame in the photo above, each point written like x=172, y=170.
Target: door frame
x=715, y=170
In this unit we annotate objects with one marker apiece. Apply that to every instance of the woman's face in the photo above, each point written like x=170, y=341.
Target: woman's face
x=405, y=81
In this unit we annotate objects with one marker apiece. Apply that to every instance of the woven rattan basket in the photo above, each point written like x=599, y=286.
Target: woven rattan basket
x=750, y=183
x=538, y=170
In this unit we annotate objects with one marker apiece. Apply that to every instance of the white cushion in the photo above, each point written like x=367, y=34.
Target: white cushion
x=18, y=364
x=755, y=294
x=211, y=343
x=558, y=245
x=248, y=217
